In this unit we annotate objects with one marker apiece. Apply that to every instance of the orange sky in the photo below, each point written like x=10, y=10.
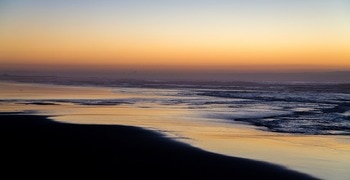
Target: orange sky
x=227, y=35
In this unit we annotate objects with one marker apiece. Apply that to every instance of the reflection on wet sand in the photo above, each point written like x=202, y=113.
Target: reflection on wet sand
x=327, y=157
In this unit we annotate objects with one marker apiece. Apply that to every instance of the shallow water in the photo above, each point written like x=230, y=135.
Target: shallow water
x=302, y=128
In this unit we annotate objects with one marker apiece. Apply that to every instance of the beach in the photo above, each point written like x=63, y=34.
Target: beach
x=36, y=146
x=241, y=124
x=183, y=89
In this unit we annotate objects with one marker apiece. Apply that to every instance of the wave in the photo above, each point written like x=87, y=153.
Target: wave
x=304, y=109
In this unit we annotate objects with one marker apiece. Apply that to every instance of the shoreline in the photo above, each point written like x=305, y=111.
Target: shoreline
x=36, y=145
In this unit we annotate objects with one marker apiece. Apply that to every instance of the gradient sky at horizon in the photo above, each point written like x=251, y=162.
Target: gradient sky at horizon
x=309, y=34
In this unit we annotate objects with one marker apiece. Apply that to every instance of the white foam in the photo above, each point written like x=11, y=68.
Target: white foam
x=347, y=114
x=303, y=109
x=249, y=114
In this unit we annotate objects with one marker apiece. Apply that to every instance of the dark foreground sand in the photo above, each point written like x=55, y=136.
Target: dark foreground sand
x=34, y=146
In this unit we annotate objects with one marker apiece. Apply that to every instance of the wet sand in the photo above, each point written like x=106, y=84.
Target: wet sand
x=35, y=146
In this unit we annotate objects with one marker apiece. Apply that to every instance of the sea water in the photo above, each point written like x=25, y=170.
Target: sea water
x=304, y=127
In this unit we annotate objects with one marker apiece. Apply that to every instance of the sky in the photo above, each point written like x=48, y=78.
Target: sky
x=271, y=35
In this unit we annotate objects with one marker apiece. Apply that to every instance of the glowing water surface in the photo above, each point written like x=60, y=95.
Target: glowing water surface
x=163, y=110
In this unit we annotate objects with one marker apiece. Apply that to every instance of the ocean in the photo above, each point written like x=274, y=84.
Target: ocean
x=302, y=126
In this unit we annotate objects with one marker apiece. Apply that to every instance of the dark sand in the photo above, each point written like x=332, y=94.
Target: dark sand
x=34, y=146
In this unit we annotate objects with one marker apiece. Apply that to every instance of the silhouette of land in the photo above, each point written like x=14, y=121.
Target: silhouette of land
x=35, y=146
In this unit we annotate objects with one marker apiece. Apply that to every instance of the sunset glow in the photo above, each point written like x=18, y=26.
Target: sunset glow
x=269, y=33
x=205, y=89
